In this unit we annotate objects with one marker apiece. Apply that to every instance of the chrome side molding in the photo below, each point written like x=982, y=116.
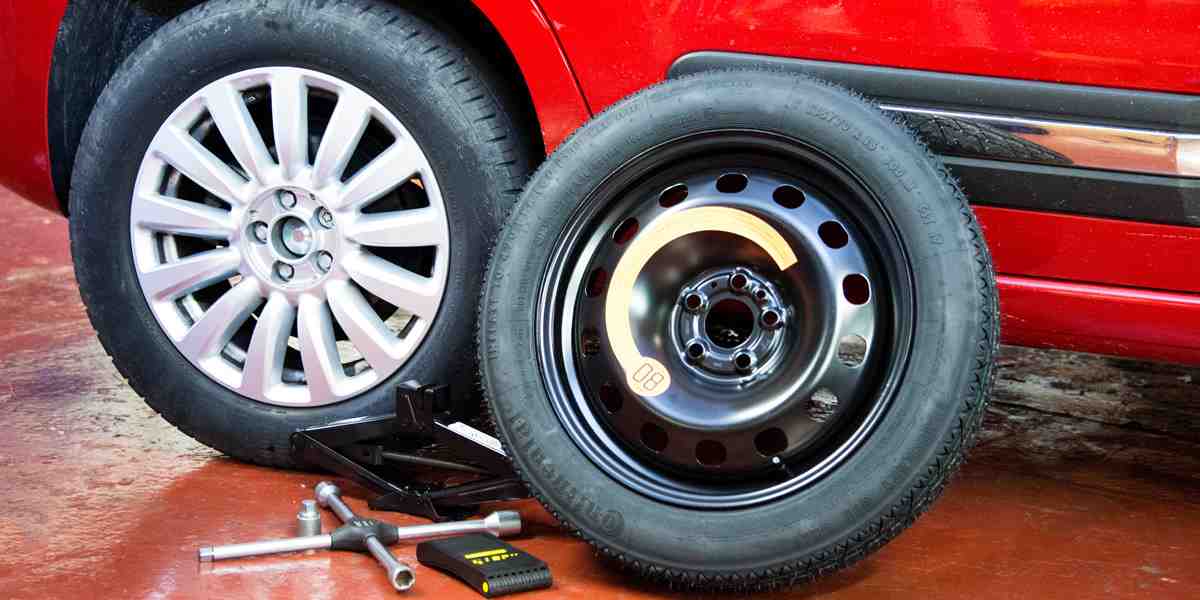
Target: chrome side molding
x=1058, y=143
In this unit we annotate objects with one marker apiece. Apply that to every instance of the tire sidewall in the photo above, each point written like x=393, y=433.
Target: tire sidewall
x=161, y=75
x=949, y=328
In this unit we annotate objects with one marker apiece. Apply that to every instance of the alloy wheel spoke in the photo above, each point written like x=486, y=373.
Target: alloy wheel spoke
x=399, y=286
x=401, y=228
x=383, y=174
x=174, y=279
x=342, y=135
x=365, y=329
x=289, y=115
x=268, y=345
x=218, y=324
x=180, y=150
x=229, y=112
x=181, y=217
x=318, y=349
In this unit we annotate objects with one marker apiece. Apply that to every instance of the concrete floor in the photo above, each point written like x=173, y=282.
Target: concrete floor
x=1086, y=483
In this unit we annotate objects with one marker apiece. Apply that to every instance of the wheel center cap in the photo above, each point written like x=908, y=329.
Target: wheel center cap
x=295, y=237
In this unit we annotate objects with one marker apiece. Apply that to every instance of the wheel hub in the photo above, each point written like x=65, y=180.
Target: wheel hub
x=728, y=325
x=293, y=240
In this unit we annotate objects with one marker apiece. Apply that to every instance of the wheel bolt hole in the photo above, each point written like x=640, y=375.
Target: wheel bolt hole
x=710, y=453
x=673, y=195
x=738, y=282
x=731, y=183
x=770, y=442
x=610, y=397
x=695, y=351
x=693, y=302
x=743, y=361
x=770, y=318
x=654, y=437
x=833, y=234
x=852, y=350
x=857, y=289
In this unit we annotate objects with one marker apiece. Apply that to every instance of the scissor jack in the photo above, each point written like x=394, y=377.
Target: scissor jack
x=378, y=452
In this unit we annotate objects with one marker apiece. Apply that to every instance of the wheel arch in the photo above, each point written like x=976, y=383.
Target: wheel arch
x=95, y=36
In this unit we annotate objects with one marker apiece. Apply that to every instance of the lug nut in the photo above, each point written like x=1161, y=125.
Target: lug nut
x=287, y=198
x=743, y=362
x=771, y=318
x=696, y=350
x=325, y=218
x=324, y=260
x=260, y=231
x=694, y=301
x=284, y=271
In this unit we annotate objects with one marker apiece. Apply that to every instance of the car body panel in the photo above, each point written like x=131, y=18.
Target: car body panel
x=1081, y=283
x=27, y=32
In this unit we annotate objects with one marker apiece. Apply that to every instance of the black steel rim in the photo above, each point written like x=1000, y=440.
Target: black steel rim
x=778, y=376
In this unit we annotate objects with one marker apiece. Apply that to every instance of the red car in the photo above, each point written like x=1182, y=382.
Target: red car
x=737, y=330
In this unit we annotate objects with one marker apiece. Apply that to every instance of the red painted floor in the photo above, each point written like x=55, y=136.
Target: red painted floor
x=102, y=499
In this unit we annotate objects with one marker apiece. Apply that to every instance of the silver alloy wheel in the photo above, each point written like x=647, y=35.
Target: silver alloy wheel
x=264, y=245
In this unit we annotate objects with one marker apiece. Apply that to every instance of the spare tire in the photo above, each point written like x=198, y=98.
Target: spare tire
x=739, y=330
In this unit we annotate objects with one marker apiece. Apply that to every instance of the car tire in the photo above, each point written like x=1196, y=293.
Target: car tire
x=470, y=126
x=777, y=518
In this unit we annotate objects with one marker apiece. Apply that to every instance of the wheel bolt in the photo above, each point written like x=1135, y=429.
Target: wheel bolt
x=284, y=271
x=325, y=218
x=743, y=362
x=771, y=319
x=324, y=260
x=260, y=231
x=287, y=198
x=696, y=350
x=694, y=301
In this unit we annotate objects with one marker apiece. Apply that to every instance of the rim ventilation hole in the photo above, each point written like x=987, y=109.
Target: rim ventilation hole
x=770, y=442
x=710, y=453
x=654, y=437
x=857, y=289
x=625, y=231
x=673, y=195
x=611, y=398
x=589, y=342
x=822, y=405
x=833, y=234
x=852, y=350
x=597, y=283
x=788, y=196
x=731, y=183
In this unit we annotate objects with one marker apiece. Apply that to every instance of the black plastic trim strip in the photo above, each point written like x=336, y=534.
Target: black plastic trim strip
x=1036, y=99
x=1038, y=187
x=1107, y=194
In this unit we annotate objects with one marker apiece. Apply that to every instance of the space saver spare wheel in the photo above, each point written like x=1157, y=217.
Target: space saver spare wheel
x=739, y=330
